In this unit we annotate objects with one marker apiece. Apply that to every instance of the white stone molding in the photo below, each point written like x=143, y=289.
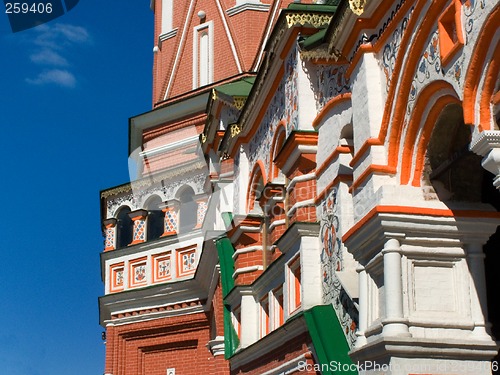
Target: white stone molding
x=296, y=153
x=180, y=48
x=247, y=270
x=244, y=229
x=169, y=147
x=276, y=223
x=249, y=5
x=248, y=249
x=301, y=178
x=216, y=346
x=209, y=27
x=229, y=36
x=306, y=203
x=165, y=36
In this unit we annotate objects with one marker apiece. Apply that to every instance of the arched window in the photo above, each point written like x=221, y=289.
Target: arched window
x=255, y=188
x=124, y=228
x=155, y=218
x=451, y=168
x=279, y=141
x=187, y=210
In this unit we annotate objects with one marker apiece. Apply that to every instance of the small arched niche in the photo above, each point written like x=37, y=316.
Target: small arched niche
x=188, y=209
x=124, y=227
x=155, y=217
x=453, y=171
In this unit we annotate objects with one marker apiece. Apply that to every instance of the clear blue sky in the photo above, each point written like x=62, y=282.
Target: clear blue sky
x=67, y=91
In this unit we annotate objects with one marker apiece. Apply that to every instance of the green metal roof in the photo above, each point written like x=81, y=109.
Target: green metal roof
x=314, y=40
x=329, y=341
x=237, y=88
x=330, y=6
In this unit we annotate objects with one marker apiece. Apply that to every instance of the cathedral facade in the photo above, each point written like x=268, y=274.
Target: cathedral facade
x=317, y=192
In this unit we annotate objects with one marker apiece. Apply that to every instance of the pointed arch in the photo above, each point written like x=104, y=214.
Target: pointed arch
x=256, y=182
x=430, y=102
x=277, y=142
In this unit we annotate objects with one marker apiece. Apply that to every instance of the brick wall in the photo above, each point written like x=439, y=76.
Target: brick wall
x=150, y=347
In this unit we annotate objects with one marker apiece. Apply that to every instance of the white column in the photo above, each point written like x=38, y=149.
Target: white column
x=249, y=319
x=475, y=260
x=363, y=307
x=394, y=322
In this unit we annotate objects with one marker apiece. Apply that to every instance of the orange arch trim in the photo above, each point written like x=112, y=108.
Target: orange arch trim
x=332, y=103
x=475, y=69
x=422, y=103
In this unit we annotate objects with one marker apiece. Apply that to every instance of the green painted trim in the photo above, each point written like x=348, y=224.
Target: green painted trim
x=328, y=339
x=314, y=7
x=225, y=251
x=231, y=340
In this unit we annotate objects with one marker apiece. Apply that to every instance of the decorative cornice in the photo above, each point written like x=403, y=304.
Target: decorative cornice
x=308, y=19
x=156, y=311
x=320, y=53
x=153, y=179
x=340, y=16
x=407, y=223
x=233, y=101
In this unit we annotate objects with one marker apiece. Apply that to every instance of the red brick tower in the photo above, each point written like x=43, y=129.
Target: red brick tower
x=162, y=307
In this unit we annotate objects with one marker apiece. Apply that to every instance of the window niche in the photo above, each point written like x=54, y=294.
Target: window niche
x=124, y=228
x=187, y=210
x=451, y=169
x=156, y=218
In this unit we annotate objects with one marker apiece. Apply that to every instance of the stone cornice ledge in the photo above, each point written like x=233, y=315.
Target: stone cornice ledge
x=270, y=342
x=425, y=348
x=256, y=6
x=294, y=232
x=485, y=141
x=437, y=228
